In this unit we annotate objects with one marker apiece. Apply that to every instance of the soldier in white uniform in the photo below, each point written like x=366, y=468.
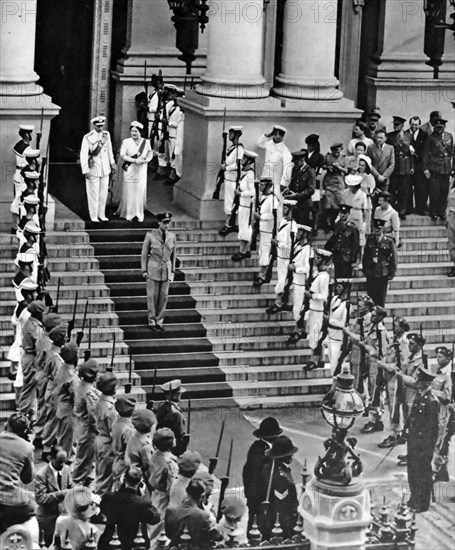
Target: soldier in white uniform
x=337, y=321
x=246, y=193
x=267, y=204
x=174, y=117
x=25, y=132
x=233, y=154
x=97, y=162
x=300, y=265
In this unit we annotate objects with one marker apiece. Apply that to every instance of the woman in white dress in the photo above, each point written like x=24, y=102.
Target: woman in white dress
x=357, y=200
x=135, y=153
x=368, y=185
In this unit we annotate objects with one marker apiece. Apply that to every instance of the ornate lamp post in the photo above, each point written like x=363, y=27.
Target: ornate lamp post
x=435, y=27
x=188, y=15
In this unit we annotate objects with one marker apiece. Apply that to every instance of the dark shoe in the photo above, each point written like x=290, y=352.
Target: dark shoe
x=239, y=256
x=294, y=338
x=389, y=441
x=287, y=307
x=451, y=273
x=433, y=218
x=98, y=519
x=372, y=427
x=258, y=282
x=442, y=217
x=311, y=365
x=402, y=217
x=402, y=460
x=13, y=231
x=273, y=309
x=225, y=230
x=160, y=328
x=402, y=457
x=401, y=439
x=442, y=475
x=151, y=325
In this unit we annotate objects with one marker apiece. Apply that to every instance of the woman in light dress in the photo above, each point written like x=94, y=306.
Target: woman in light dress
x=368, y=185
x=135, y=153
x=356, y=198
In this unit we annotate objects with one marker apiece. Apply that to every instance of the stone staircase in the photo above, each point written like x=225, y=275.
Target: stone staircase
x=218, y=338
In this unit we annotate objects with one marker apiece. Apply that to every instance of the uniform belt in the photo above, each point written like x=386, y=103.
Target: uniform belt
x=244, y=206
x=334, y=327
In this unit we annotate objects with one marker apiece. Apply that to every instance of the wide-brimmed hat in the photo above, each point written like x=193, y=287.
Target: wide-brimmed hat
x=282, y=446
x=81, y=503
x=269, y=427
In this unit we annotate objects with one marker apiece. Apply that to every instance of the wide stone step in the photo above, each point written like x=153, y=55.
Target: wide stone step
x=182, y=330
x=418, y=244
x=55, y=265
x=175, y=360
x=98, y=334
x=280, y=388
x=67, y=251
x=76, y=278
x=106, y=319
x=169, y=345
x=190, y=374
x=271, y=373
x=53, y=238
x=286, y=356
x=68, y=292
x=135, y=317
x=95, y=305
x=213, y=390
x=183, y=248
x=139, y=302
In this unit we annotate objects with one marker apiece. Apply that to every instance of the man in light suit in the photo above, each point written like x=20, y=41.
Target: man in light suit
x=52, y=483
x=97, y=162
x=383, y=160
x=158, y=268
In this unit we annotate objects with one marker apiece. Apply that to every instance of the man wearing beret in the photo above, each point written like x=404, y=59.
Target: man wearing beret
x=122, y=430
x=170, y=415
x=105, y=415
x=85, y=401
x=139, y=448
x=97, y=162
x=344, y=244
x=437, y=165
x=379, y=263
x=188, y=464
x=158, y=269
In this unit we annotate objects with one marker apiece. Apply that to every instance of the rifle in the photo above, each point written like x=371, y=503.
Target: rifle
x=43, y=272
x=363, y=373
x=325, y=323
x=155, y=132
x=255, y=233
x=214, y=460
x=146, y=86
x=306, y=301
x=236, y=203
x=71, y=323
x=128, y=384
x=273, y=247
x=225, y=482
x=40, y=133
x=380, y=375
x=290, y=274
x=424, y=355
x=399, y=395
x=164, y=144
x=88, y=351
x=220, y=176
x=111, y=366
x=80, y=333
x=345, y=345
x=57, y=296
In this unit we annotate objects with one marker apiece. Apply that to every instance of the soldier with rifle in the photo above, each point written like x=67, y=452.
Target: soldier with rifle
x=344, y=244
x=170, y=415
x=244, y=194
x=220, y=176
x=233, y=154
x=155, y=106
x=267, y=216
x=174, y=120
x=25, y=133
x=286, y=241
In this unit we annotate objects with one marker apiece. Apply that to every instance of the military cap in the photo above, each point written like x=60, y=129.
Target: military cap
x=299, y=154
x=336, y=145
x=137, y=124
x=353, y=180
x=235, y=129
x=385, y=195
x=37, y=306
x=162, y=216
x=27, y=284
x=31, y=200
x=170, y=87
x=57, y=334
x=425, y=375
x=106, y=382
x=444, y=351
x=18, y=423
x=288, y=202
x=440, y=122
x=179, y=91
x=163, y=435
x=377, y=222
x=416, y=338
x=189, y=461
x=233, y=508
x=125, y=404
x=312, y=138
x=282, y=446
x=251, y=155
x=365, y=158
x=401, y=321
x=133, y=475
x=345, y=208
x=380, y=311
x=25, y=258
x=280, y=128
x=27, y=127
x=398, y=119
x=51, y=320
x=31, y=227
x=367, y=300
x=173, y=385
x=269, y=427
x=303, y=227
x=32, y=175
x=31, y=153
x=69, y=353
x=342, y=282
x=266, y=181
x=204, y=477
x=143, y=420
x=89, y=368
x=375, y=112
x=98, y=120
x=325, y=254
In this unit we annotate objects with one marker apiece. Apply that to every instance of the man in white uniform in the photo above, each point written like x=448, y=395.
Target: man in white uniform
x=97, y=162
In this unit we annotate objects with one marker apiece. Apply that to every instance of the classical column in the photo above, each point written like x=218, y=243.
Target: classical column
x=349, y=57
x=234, y=52
x=308, y=60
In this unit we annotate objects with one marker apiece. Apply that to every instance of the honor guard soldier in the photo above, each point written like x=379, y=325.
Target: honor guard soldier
x=279, y=489
x=25, y=132
x=400, y=180
x=97, y=162
x=268, y=430
x=122, y=430
x=344, y=245
x=170, y=415
x=285, y=236
x=335, y=165
x=158, y=267
x=174, y=118
x=437, y=165
x=233, y=154
x=422, y=431
x=385, y=211
x=338, y=318
x=379, y=263
x=267, y=204
x=245, y=194
x=300, y=181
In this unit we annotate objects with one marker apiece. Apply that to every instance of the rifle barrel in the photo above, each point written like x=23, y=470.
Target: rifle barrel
x=231, y=446
x=218, y=446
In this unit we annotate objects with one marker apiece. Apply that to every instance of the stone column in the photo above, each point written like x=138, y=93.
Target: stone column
x=351, y=29
x=234, y=54
x=308, y=61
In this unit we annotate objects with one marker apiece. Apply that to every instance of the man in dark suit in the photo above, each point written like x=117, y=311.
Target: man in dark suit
x=51, y=486
x=419, y=184
x=382, y=159
x=301, y=187
x=344, y=244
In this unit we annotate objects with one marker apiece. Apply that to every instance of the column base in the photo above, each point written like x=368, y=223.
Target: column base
x=254, y=88
x=203, y=128
x=313, y=89
x=336, y=517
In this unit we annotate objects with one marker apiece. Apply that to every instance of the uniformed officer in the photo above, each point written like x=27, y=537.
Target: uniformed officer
x=170, y=415
x=97, y=162
x=268, y=203
x=301, y=186
x=268, y=430
x=232, y=522
x=245, y=193
x=422, y=436
x=158, y=267
x=335, y=165
x=25, y=132
x=282, y=496
x=122, y=430
x=233, y=154
x=437, y=166
x=285, y=237
x=174, y=118
x=85, y=402
x=385, y=211
x=379, y=263
x=400, y=180
x=344, y=244
x=105, y=415
x=28, y=212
